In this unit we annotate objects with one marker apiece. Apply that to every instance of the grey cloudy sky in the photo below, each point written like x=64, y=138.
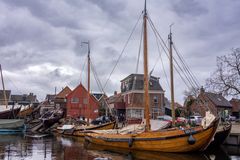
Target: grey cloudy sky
x=40, y=41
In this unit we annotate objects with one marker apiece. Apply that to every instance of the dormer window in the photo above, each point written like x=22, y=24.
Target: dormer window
x=150, y=83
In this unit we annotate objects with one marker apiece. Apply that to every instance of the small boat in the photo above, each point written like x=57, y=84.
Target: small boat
x=6, y=111
x=81, y=131
x=51, y=117
x=221, y=135
x=9, y=113
x=11, y=126
x=25, y=111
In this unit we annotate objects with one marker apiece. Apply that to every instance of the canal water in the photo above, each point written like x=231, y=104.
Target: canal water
x=65, y=148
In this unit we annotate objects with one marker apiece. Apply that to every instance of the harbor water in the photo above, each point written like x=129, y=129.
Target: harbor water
x=46, y=147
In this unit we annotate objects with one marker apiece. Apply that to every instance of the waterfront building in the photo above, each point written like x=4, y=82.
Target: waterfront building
x=77, y=104
x=132, y=91
x=235, y=107
x=216, y=103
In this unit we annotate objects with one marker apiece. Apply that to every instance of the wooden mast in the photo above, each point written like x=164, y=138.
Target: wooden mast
x=88, y=82
x=146, y=82
x=4, y=92
x=171, y=76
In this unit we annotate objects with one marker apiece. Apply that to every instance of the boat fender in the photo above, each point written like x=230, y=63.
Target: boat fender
x=191, y=140
x=130, y=142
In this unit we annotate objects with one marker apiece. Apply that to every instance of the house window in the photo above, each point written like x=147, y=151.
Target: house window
x=75, y=100
x=129, y=99
x=85, y=101
x=135, y=113
x=155, y=99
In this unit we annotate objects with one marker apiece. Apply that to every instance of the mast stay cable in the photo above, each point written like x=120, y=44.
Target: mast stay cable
x=122, y=51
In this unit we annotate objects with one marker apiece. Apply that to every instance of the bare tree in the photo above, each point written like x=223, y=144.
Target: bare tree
x=193, y=92
x=226, y=79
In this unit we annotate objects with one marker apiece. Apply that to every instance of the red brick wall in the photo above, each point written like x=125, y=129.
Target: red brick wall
x=202, y=104
x=81, y=109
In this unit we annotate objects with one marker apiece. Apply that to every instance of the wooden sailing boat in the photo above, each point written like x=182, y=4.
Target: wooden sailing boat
x=166, y=140
x=8, y=125
x=7, y=112
x=79, y=130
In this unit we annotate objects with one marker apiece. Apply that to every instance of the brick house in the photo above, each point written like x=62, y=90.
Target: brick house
x=132, y=91
x=103, y=106
x=24, y=99
x=216, y=103
x=235, y=107
x=117, y=104
x=60, y=99
x=77, y=104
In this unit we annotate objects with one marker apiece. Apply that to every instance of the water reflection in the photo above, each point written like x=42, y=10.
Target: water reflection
x=65, y=148
x=143, y=155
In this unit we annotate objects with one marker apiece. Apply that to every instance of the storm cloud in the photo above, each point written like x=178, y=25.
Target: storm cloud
x=40, y=41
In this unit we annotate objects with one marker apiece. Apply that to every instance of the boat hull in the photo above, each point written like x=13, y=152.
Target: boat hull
x=82, y=132
x=11, y=123
x=9, y=114
x=106, y=126
x=11, y=126
x=221, y=135
x=173, y=140
x=49, y=122
x=25, y=112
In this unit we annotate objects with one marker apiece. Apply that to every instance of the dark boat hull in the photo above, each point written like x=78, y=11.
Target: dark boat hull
x=10, y=114
x=51, y=121
x=221, y=136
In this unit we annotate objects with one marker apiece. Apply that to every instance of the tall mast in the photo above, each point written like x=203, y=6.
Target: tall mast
x=88, y=89
x=4, y=92
x=171, y=76
x=88, y=82
x=145, y=58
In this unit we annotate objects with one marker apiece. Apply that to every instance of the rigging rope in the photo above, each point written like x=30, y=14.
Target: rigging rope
x=186, y=67
x=160, y=55
x=139, y=50
x=122, y=51
x=83, y=69
x=98, y=82
x=164, y=45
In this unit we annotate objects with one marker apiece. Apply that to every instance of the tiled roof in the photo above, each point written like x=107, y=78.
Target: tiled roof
x=115, y=98
x=64, y=92
x=24, y=98
x=218, y=99
x=135, y=82
x=50, y=97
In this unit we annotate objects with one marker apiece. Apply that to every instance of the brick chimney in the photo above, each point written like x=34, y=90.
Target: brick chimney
x=202, y=90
